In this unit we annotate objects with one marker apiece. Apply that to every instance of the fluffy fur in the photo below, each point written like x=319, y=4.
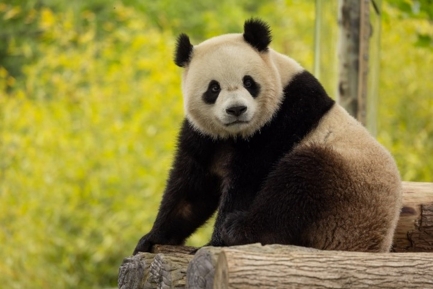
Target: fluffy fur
x=264, y=144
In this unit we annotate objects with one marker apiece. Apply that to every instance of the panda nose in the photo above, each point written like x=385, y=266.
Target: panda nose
x=236, y=110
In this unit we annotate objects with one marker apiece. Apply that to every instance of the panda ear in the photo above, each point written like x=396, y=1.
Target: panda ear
x=258, y=34
x=183, y=50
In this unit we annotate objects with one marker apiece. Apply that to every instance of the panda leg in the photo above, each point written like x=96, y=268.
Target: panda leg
x=296, y=194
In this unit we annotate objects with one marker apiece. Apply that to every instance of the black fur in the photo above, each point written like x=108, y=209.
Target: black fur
x=258, y=34
x=194, y=190
x=251, y=85
x=183, y=50
x=212, y=92
x=189, y=184
x=295, y=195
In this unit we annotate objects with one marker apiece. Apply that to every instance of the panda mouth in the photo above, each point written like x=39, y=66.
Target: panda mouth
x=236, y=122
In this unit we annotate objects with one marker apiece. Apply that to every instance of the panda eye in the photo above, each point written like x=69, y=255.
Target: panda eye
x=248, y=83
x=212, y=92
x=215, y=88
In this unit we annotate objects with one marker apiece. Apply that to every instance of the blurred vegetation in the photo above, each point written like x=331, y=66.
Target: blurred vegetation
x=417, y=9
x=90, y=105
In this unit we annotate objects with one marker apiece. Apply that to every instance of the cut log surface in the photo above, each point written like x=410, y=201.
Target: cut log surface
x=201, y=269
x=168, y=271
x=322, y=269
x=165, y=267
x=134, y=271
x=414, y=231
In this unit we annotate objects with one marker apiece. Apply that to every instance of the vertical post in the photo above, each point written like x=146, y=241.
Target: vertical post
x=325, y=45
x=373, y=65
x=318, y=39
x=364, y=41
x=353, y=55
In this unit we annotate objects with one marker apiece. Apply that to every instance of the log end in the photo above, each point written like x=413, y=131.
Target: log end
x=201, y=269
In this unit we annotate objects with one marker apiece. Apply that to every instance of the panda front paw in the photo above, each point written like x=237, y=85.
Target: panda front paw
x=144, y=244
x=237, y=230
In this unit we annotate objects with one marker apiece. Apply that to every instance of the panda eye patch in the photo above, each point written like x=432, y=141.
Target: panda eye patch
x=212, y=92
x=250, y=85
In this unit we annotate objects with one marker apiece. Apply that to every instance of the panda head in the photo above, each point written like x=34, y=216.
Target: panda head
x=231, y=83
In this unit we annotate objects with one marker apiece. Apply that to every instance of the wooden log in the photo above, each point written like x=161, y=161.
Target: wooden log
x=165, y=267
x=167, y=249
x=414, y=231
x=201, y=269
x=322, y=269
x=168, y=271
x=134, y=271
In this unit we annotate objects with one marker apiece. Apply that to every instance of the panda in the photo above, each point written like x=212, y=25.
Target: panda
x=264, y=145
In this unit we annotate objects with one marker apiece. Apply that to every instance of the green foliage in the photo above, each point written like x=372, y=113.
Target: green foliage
x=417, y=10
x=21, y=27
x=406, y=102
x=85, y=137
x=90, y=105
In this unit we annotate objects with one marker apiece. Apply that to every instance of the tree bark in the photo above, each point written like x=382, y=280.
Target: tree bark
x=348, y=54
x=322, y=269
x=167, y=249
x=414, y=231
x=168, y=271
x=134, y=271
x=165, y=267
x=201, y=269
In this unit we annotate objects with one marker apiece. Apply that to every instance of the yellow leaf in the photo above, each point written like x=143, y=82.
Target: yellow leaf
x=47, y=18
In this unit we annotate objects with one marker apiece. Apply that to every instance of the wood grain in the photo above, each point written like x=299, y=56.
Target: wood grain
x=414, y=231
x=322, y=269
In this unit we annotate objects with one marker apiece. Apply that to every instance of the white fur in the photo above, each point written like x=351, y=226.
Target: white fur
x=227, y=59
x=238, y=96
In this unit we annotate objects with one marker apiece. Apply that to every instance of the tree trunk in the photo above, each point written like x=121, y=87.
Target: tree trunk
x=348, y=54
x=322, y=269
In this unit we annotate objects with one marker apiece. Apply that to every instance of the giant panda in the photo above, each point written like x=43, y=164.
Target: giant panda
x=265, y=146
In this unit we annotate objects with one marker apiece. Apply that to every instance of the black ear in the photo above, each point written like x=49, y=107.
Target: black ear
x=183, y=50
x=258, y=34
